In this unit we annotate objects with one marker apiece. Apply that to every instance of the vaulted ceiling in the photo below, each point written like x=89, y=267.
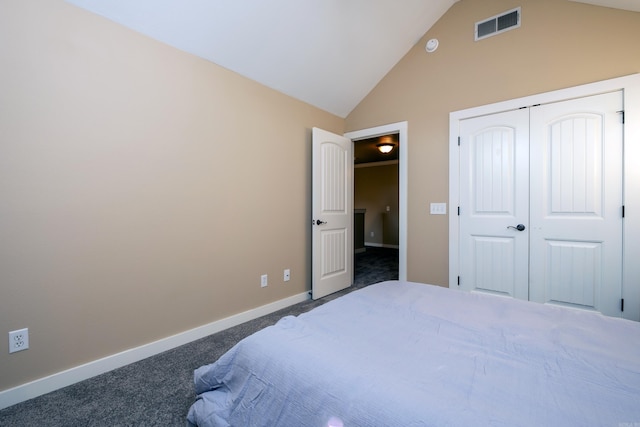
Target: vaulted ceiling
x=328, y=53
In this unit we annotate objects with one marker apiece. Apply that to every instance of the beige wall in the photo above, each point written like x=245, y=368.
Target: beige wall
x=559, y=44
x=143, y=190
x=375, y=188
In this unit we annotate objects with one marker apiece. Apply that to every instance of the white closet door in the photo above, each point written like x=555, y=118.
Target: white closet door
x=494, y=200
x=576, y=203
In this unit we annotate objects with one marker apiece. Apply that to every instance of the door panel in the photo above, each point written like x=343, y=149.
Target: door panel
x=576, y=220
x=332, y=210
x=574, y=268
x=575, y=158
x=491, y=255
x=494, y=196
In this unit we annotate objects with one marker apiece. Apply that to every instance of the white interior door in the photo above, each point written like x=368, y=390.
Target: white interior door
x=494, y=204
x=576, y=220
x=541, y=203
x=332, y=211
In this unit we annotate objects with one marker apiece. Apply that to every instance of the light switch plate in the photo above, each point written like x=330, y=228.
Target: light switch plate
x=438, y=209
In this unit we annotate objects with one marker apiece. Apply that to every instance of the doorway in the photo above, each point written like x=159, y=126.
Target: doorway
x=376, y=213
x=399, y=129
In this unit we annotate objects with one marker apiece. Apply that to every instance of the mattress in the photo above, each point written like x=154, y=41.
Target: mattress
x=409, y=354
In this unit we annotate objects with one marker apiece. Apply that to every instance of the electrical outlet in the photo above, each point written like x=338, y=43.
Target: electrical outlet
x=287, y=275
x=18, y=340
x=264, y=281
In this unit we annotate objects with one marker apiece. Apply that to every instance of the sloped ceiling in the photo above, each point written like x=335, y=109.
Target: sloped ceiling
x=328, y=53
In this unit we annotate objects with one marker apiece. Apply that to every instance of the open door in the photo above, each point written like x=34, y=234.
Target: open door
x=332, y=213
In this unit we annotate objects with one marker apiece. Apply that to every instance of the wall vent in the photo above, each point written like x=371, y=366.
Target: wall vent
x=498, y=24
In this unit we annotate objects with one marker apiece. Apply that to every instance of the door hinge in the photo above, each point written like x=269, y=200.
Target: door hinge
x=458, y=280
x=622, y=304
x=621, y=113
x=458, y=210
x=458, y=141
x=622, y=211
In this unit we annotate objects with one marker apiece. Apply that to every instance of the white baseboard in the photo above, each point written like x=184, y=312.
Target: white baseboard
x=58, y=380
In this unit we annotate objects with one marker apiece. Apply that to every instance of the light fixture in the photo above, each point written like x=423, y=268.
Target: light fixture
x=385, y=148
x=386, y=145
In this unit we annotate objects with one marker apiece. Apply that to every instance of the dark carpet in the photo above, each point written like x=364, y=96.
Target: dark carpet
x=158, y=391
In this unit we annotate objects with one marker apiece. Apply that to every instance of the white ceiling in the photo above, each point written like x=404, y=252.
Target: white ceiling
x=328, y=53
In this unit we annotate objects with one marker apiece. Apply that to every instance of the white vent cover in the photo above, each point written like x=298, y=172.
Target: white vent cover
x=498, y=24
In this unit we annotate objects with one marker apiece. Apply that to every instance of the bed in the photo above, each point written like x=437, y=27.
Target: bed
x=409, y=354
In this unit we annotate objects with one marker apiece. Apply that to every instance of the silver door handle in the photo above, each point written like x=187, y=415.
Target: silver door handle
x=519, y=227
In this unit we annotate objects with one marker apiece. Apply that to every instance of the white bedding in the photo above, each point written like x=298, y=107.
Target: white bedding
x=408, y=354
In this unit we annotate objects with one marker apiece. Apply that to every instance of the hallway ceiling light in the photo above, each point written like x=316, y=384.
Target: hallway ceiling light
x=385, y=148
x=386, y=144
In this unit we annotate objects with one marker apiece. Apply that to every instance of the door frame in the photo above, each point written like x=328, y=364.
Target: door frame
x=630, y=86
x=401, y=128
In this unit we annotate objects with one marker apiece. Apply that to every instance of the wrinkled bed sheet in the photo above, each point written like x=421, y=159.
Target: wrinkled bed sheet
x=409, y=354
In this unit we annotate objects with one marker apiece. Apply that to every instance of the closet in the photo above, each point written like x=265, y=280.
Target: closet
x=540, y=200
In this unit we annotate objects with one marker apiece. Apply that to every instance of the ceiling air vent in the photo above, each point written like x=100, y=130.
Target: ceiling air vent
x=498, y=24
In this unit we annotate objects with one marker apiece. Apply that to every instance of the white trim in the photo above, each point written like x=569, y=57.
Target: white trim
x=380, y=245
x=402, y=129
x=630, y=85
x=374, y=164
x=76, y=374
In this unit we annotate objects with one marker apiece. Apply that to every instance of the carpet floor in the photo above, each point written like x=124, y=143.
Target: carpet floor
x=158, y=391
